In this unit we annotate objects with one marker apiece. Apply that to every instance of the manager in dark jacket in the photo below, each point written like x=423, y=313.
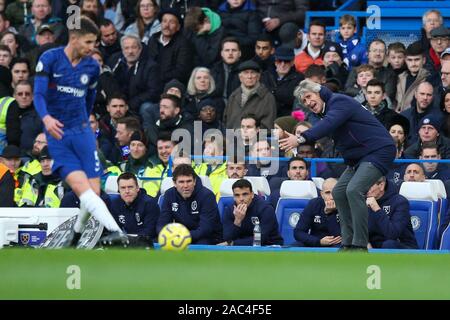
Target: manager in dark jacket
x=239, y=219
x=193, y=205
x=389, y=218
x=318, y=225
x=366, y=146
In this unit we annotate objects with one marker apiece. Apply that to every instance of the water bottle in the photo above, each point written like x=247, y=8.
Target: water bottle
x=256, y=234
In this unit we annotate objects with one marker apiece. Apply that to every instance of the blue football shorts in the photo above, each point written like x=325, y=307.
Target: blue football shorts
x=76, y=151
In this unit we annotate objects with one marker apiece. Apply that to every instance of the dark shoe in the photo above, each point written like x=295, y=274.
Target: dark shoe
x=72, y=240
x=344, y=248
x=358, y=248
x=116, y=237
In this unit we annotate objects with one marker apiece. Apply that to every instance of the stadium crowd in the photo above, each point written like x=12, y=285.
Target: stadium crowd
x=225, y=65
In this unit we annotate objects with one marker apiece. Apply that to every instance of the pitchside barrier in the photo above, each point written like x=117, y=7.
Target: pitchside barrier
x=428, y=201
x=29, y=220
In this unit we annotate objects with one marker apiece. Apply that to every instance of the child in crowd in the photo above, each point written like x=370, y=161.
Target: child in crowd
x=396, y=57
x=364, y=73
x=355, y=53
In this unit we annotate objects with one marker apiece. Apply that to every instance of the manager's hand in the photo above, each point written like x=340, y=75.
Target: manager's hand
x=290, y=142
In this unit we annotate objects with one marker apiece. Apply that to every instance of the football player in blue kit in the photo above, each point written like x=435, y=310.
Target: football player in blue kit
x=64, y=93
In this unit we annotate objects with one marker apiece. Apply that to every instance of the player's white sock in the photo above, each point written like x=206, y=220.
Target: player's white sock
x=95, y=206
x=83, y=216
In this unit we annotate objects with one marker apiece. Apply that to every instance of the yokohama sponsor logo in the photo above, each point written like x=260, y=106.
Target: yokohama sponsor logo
x=70, y=90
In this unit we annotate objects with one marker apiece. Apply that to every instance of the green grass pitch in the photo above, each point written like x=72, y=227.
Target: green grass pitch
x=140, y=274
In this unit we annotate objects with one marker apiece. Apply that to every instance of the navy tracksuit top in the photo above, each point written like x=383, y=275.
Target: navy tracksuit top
x=314, y=224
x=199, y=214
x=243, y=235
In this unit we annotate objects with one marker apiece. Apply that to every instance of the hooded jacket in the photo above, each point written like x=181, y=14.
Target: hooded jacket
x=392, y=221
x=358, y=135
x=207, y=45
x=198, y=213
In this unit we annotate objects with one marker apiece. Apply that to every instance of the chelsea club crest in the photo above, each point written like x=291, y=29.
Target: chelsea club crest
x=84, y=79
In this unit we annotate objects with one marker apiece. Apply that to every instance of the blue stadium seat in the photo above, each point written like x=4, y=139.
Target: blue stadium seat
x=445, y=241
x=442, y=209
x=166, y=184
x=424, y=206
x=294, y=196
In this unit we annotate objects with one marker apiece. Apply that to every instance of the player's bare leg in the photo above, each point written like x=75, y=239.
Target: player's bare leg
x=91, y=203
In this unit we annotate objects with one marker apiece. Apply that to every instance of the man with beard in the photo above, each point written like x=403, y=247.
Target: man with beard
x=33, y=166
x=171, y=49
x=44, y=189
x=225, y=72
x=170, y=119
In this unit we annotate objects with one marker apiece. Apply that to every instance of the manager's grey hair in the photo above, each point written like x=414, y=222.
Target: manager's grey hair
x=306, y=86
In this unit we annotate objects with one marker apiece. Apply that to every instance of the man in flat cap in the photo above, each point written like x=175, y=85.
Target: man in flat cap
x=281, y=79
x=440, y=40
x=251, y=97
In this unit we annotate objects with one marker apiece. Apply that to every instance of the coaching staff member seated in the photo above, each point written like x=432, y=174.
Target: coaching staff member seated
x=318, y=225
x=389, y=218
x=239, y=219
x=134, y=211
x=193, y=205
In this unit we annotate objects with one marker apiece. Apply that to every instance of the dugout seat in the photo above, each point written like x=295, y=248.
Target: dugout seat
x=318, y=181
x=294, y=197
x=424, y=205
x=442, y=209
x=111, y=185
x=260, y=184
